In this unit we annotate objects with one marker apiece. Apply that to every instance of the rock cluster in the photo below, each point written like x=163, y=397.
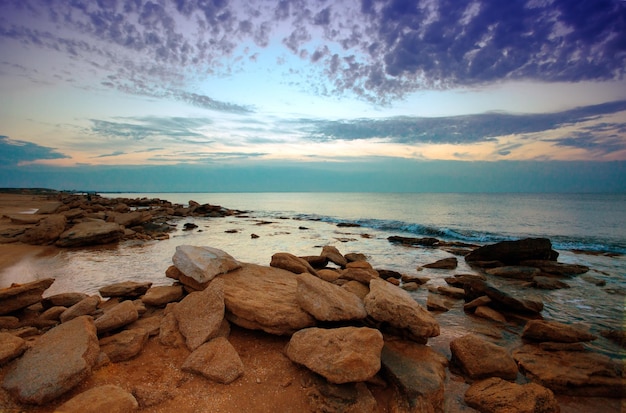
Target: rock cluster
x=72, y=220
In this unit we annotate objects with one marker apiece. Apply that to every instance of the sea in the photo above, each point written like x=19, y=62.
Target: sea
x=588, y=229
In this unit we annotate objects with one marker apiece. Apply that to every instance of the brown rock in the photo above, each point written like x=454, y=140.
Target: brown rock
x=291, y=263
x=151, y=325
x=573, y=373
x=347, y=398
x=168, y=331
x=264, y=298
x=513, y=252
x=489, y=313
x=436, y=302
x=542, y=330
x=333, y=254
x=328, y=275
x=25, y=219
x=107, y=398
x=316, y=261
x=130, y=219
x=203, y=263
x=341, y=355
x=514, y=271
x=129, y=289
x=20, y=296
x=479, y=358
x=90, y=233
x=46, y=232
x=162, y=295
x=124, y=345
x=355, y=257
x=216, y=360
x=10, y=347
x=548, y=283
x=477, y=302
x=9, y=322
x=53, y=313
x=189, y=283
x=200, y=314
x=444, y=264
x=362, y=275
x=502, y=299
x=63, y=299
x=556, y=268
x=390, y=304
x=118, y=316
x=68, y=353
x=495, y=395
x=85, y=306
x=453, y=292
x=326, y=301
x=356, y=288
x=49, y=207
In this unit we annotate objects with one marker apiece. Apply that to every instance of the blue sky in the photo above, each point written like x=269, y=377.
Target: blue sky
x=427, y=95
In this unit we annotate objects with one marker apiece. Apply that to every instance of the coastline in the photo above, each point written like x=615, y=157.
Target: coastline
x=271, y=380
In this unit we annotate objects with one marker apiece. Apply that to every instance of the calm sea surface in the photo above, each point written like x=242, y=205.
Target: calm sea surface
x=302, y=223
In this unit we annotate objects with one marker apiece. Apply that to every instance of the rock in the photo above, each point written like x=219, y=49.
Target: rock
x=168, y=331
x=459, y=280
x=410, y=286
x=548, y=283
x=25, y=219
x=489, y=313
x=477, y=302
x=106, y=398
x=356, y=288
x=502, y=299
x=63, y=299
x=574, y=373
x=341, y=355
x=326, y=301
x=394, y=306
x=10, y=347
x=118, y=316
x=479, y=358
x=85, y=306
x=453, y=292
x=189, y=283
x=130, y=219
x=328, y=275
x=552, y=346
x=444, y=264
x=203, y=263
x=53, y=313
x=124, y=345
x=9, y=322
x=617, y=336
x=90, y=233
x=49, y=207
x=264, y=298
x=593, y=280
x=419, y=373
x=128, y=289
x=424, y=242
x=385, y=274
x=436, y=302
x=346, y=398
x=291, y=263
x=19, y=296
x=362, y=275
x=216, y=360
x=200, y=314
x=46, y=232
x=514, y=271
x=542, y=330
x=151, y=325
x=495, y=395
x=355, y=256
x=333, y=255
x=514, y=252
x=556, y=268
x=316, y=261
x=68, y=352
x=162, y=295
x=148, y=395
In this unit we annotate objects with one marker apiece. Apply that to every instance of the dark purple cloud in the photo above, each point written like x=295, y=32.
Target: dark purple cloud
x=14, y=152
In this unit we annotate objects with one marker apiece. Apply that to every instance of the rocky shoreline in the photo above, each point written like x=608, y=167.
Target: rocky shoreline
x=346, y=336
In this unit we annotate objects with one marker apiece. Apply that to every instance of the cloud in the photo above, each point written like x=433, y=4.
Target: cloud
x=15, y=152
x=378, y=50
x=140, y=128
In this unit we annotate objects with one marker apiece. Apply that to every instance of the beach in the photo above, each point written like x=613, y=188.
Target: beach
x=271, y=381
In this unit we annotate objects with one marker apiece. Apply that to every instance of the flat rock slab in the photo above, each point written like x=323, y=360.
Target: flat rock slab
x=58, y=361
x=118, y=316
x=107, y=398
x=130, y=289
x=326, y=301
x=516, y=272
x=20, y=296
x=542, y=330
x=495, y=395
x=575, y=373
x=216, y=360
x=85, y=306
x=390, y=304
x=264, y=298
x=90, y=233
x=63, y=299
x=200, y=314
x=124, y=345
x=444, y=264
x=479, y=358
x=10, y=347
x=203, y=263
x=341, y=355
x=419, y=372
x=45, y=232
x=162, y=295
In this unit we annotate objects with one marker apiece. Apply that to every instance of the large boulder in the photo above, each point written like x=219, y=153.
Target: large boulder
x=203, y=263
x=542, y=330
x=575, y=373
x=200, y=314
x=418, y=372
x=264, y=298
x=58, y=361
x=495, y=395
x=326, y=301
x=479, y=358
x=216, y=360
x=20, y=296
x=90, y=233
x=500, y=299
x=106, y=398
x=513, y=252
x=395, y=307
x=341, y=355
x=46, y=232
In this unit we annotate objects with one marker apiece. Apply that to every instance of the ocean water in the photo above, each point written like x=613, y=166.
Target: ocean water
x=302, y=223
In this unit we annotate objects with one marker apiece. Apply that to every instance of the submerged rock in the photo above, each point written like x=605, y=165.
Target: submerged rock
x=502, y=299
x=514, y=252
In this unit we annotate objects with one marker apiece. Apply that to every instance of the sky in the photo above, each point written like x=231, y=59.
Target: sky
x=304, y=95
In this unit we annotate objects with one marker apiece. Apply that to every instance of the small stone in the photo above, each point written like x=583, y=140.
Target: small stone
x=216, y=360
x=107, y=398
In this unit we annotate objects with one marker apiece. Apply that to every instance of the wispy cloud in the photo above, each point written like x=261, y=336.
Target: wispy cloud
x=140, y=128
